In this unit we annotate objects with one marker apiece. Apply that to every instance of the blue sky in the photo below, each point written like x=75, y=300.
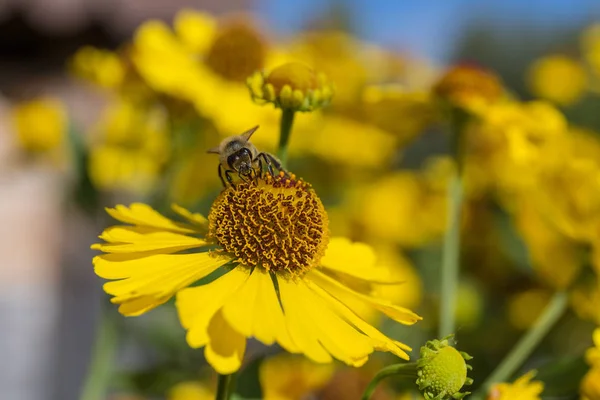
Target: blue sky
x=430, y=27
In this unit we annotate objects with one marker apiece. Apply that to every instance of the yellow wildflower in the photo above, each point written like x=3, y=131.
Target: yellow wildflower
x=195, y=29
x=524, y=308
x=558, y=78
x=592, y=355
x=590, y=385
x=129, y=148
x=41, y=124
x=190, y=390
x=291, y=86
x=100, y=67
x=270, y=240
x=469, y=87
x=285, y=377
x=521, y=389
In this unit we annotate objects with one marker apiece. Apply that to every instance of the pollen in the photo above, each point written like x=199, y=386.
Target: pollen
x=238, y=51
x=276, y=223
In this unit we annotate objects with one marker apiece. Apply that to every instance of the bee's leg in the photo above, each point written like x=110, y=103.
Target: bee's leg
x=228, y=176
x=221, y=175
x=264, y=156
x=271, y=159
x=260, y=169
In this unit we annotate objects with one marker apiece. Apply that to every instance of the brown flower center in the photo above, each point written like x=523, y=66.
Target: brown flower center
x=277, y=223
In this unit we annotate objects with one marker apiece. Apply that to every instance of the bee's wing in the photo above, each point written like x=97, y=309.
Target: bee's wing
x=246, y=135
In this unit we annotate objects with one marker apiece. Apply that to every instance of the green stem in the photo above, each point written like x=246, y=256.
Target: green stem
x=285, y=130
x=408, y=370
x=450, y=258
x=99, y=372
x=224, y=387
x=525, y=346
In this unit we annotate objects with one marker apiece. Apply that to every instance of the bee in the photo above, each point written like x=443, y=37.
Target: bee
x=238, y=156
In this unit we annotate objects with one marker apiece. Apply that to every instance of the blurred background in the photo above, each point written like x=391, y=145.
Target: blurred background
x=50, y=299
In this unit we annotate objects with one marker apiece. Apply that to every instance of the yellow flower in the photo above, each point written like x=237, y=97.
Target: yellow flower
x=101, y=67
x=558, y=78
x=291, y=86
x=524, y=308
x=270, y=242
x=41, y=124
x=555, y=257
x=129, y=148
x=469, y=87
x=285, y=377
x=590, y=385
x=521, y=389
x=592, y=355
x=195, y=29
x=585, y=299
x=190, y=390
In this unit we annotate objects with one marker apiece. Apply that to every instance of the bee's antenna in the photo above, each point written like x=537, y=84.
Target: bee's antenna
x=246, y=135
x=214, y=150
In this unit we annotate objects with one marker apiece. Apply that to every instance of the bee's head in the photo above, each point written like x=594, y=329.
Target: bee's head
x=241, y=161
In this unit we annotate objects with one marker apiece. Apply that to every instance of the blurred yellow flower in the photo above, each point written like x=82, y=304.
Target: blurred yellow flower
x=195, y=29
x=255, y=251
x=590, y=385
x=469, y=87
x=190, y=390
x=592, y=355
x=556, y=258
x=129, y=148
x=286, y=377
x=41, y=124
x=100, y=67
x=469, y=305
x=524, y=308
x=521, y=389
x=585, y=299
x=404, y=207
x=590, y=43
x=558, y=78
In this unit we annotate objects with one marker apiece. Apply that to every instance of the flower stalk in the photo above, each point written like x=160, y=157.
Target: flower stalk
x=285, y=130
x=407, y=370
x=225, y=385
x=99, y=372
x=451, y=248
x=527, y=344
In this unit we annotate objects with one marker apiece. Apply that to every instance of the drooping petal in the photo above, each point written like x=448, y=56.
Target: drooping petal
x=138, y=239
x=143, y=215
x=339, y=339
x=382, y=342
x=357, y=260
x=197, y=305
x=300, y=328
x=255, y=311
x=146, y=282
x=399, y=314
x=225, y=348
x=194, y=218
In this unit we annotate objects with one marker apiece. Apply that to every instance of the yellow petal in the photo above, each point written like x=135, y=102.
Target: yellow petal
x=225, y=348
x=339, y=338
x=300, y=328
x=255, y=311
x=152, y=278
x=399, y=314
x=137, y=239
x=596, y=336
x=143, y=215
x=355, y=259
x=194, y=218
x=197, y=305
x=382, y=342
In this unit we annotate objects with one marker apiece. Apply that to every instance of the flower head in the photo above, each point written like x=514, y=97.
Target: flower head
x=291, y=86
x=442, y=370
x=469, y=87
x=101, y=67
x=273, y=275
x=521, y=389
x=41, y=124
x=558, y=78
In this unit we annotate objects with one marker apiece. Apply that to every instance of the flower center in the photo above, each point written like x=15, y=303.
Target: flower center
x=276, y=223
x=238, y=51
x=297, y=75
